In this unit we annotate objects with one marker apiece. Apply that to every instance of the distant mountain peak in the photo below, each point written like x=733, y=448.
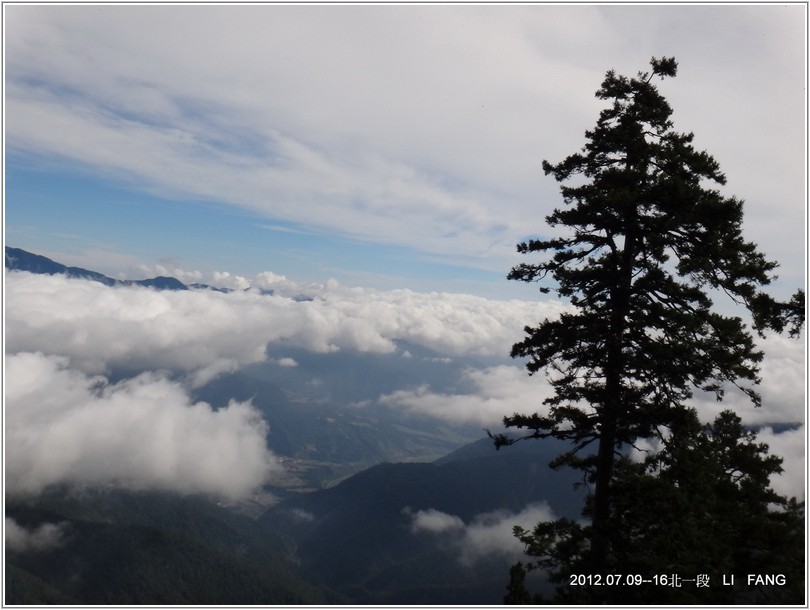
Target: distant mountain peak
x=18, y=259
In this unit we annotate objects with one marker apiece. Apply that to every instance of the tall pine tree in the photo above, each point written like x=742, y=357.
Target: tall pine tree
x=649, y=241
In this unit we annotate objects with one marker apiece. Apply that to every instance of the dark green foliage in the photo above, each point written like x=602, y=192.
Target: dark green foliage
x=649, y=241
x=22, y=587
x=517, y=594
x=769, y=313
x=123, y=548
x=701, y=505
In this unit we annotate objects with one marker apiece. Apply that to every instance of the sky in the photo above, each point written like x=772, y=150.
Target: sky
x=387, y=146
x=381, y=160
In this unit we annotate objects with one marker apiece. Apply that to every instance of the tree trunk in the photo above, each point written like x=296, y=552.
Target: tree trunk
x=612, y=405
x=600, y=544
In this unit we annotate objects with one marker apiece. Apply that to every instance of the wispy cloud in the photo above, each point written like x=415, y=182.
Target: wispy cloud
x=420, y=126
x=435, y=521
x=493, y=393
x=485, y=536
x=39, y=539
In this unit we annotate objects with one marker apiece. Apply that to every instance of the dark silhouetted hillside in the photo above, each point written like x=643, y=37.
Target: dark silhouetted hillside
x=356, y=537
x=127, y=548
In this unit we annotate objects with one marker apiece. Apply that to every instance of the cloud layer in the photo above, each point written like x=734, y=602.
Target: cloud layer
x=64, y=335
x=63, y=426
x=66, y=422
x=206, y=331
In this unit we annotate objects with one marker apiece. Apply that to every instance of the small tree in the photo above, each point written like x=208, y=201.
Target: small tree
x=648, y=244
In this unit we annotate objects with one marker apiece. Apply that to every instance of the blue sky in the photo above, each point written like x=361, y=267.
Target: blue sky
x=384, y=146
x=108, y=218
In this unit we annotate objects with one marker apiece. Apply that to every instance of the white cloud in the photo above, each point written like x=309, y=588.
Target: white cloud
x=791, y=446
x=267, y=280
x=204, y=332
x=65, y=426
x=168, y=269
x=454, y=324
x=486, y=535
x=205, y=373
x=503, y=390
x=784, y=374
x=286, y=362
x=782, y=389
x=131, y=327
x=302, y=516
x=491, y=533
x=495, y=392
x=435, y=521
x=224, y=279
x=43, y=538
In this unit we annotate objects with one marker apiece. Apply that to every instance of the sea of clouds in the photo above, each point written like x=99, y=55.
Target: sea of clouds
x=66, y=339
x=99, y=380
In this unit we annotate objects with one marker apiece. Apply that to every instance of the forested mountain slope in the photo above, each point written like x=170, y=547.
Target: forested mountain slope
x=363, y=538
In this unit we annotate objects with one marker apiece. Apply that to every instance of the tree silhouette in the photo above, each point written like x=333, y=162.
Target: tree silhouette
x=648, y=245
x=702, y=505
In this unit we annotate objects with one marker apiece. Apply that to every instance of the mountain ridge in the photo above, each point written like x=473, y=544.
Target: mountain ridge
x=374, y=510
x=17, y=259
